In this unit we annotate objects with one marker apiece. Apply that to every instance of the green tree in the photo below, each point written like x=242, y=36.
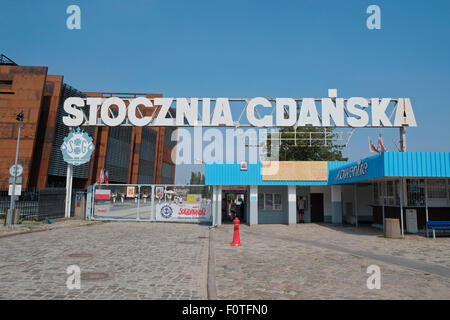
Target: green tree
x=309, y=145
x=197, y=178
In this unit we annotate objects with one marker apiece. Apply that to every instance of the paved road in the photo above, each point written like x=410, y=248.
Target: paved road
x=141, y=261
x=310, y=261
x=170, y=261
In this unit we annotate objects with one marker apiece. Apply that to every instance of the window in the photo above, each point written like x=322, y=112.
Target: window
x=167, y=173
x=260, y=201
x=6, y=84
x=389, y=197
x=415, y=192
x=389, y=193
x=270, y=201
x=277, y=201
x=376, y=194
x=436, y=189
x=448, y=188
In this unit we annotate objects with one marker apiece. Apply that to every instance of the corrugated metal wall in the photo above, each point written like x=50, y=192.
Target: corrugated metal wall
x=230, y=174
x=147, y=156
x=168, y=137
x=388, y=164
x=417, y=164
x=58, y=166
x=118, y=154
x=167, y=173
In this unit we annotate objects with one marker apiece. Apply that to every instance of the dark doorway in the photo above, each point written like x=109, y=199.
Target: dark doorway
x=316, y=207
x=234, y=205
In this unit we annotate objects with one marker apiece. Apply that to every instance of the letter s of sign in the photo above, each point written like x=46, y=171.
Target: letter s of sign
x=374, y=20
x=74, y=20
x=74, y=280
x=374, y=280
x=75, y=115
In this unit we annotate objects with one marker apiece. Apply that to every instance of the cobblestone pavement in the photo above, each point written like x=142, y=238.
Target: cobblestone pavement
x=139, y=261
x=310, y=261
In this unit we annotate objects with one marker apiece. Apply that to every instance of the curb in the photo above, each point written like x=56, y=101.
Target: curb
x=211, y=283
x=40, y=230
x=21, y=232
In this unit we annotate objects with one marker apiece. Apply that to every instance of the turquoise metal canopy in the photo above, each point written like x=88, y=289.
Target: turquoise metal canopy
x=387, y=164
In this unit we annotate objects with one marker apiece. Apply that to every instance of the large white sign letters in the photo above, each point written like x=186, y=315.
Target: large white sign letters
x=324, y=112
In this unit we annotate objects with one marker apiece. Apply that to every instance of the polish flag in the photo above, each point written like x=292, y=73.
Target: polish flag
x=106, y=177
x=102, y=194
x=381, y=146
x=101, y=176
x=372, y=147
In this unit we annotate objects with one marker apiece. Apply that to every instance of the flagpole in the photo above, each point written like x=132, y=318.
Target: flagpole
x=403, y=138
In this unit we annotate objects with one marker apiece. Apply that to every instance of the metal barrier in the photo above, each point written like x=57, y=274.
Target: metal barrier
x=151, y=202
x=27, y=203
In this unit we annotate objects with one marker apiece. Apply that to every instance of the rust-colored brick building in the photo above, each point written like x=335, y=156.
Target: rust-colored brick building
x=130, y=154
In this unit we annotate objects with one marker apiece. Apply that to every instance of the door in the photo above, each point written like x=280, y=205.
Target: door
x=316, y=207
x=236, y=201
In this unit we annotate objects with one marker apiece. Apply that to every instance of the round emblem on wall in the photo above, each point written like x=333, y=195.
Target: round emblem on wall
x=166, y=211
x=77, y=147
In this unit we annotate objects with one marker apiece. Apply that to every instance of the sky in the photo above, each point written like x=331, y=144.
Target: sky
x=239, y=48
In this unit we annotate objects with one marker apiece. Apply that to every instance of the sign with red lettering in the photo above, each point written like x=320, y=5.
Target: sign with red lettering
x=185, y=212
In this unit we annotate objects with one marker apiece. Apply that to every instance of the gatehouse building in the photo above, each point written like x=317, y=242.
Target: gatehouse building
x=410, y=186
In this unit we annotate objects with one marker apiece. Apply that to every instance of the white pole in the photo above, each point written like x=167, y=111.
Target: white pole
x=152, y=211
x=214, y=205
x=138, y=204
x=13, y=191
x=382, y=204
x=403, y=138
x=426, y=205
x=68, y=190
x=401, y=207
x=356, y=204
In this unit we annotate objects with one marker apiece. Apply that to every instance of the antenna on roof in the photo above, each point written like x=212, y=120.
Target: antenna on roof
x=5, y=60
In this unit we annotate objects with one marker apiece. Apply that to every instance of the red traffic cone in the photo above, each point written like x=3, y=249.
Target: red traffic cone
x=236, y=239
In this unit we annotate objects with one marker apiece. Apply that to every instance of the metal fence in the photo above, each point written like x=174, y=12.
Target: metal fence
x=139, y=202
x=27, y=204
x=47, y=203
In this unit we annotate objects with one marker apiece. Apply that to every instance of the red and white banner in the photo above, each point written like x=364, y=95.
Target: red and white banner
x=381, y=146
x=378, y=149
x=103, y=176
x=102, y=194
x=106, y=177
x=372, y=147
x=166, y=211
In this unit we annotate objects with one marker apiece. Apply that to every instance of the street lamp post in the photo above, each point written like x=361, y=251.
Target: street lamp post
x=19, y=118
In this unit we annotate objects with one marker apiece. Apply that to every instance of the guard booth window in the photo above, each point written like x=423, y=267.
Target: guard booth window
x=376, y=193
x=386, y=193
x=415, y=192
x=436, y=188
x=269, y=201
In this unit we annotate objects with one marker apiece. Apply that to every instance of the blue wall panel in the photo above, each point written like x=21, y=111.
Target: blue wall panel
x=417, y=164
